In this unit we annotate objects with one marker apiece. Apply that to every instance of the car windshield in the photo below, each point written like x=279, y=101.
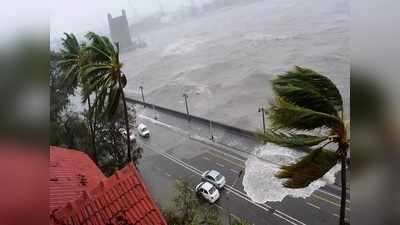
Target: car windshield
x=219, y=177
x=212, y=190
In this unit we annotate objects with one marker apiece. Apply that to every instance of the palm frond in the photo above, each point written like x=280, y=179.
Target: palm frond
x=98, y=105
x=304, y=97
x=285, y=115
x=308, y=169
x=291, y=140
x=114, y=100
x=101, y=47
x=70, y=44
x=310, y=80
x=94, y=69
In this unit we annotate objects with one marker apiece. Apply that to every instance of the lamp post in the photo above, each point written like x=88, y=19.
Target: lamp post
x=141, y=90
x=263, y=117
x=208, y=106
x=187, y=109
x=211, y=131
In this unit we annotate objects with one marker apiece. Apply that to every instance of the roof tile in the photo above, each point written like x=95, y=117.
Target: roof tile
x=82, y=195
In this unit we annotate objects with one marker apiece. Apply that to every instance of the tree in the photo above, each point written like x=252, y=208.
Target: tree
x=240, y=222
x=74, y=58
x=185, y=202
x=104, y=75
x=59, y=100
x=111, y=141
x=308, y=113
x=76, y=132
x=59, y=92
x=187, y=210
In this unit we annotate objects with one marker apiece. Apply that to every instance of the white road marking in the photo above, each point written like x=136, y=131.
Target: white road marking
x=206, y=158
x=219, y=164
x=312, y=205
x=326, y=200
x=335, y=196
x=230, y=161
x=334, y=214
x=176, y=129
x=235, y=171
x=231, y=156
x=265, y=207
x=179, y=130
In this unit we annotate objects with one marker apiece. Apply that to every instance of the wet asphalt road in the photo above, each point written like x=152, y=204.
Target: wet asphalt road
x=171, y=154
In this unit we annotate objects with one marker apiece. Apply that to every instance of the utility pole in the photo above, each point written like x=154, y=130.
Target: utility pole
x=187, y=109
x=263, y=117
x=141, y=90
x=155, y=112
x=211, y=131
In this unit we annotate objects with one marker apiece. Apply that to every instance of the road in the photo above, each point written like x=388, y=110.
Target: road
x=171, y=153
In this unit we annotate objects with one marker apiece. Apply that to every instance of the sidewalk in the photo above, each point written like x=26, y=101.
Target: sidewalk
x=236, y=143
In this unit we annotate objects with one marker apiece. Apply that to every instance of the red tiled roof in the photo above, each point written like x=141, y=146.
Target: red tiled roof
x=119, y=199
x=70, y=174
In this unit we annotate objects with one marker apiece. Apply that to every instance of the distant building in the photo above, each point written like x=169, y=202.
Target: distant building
x=119, y=30
x=79, y=193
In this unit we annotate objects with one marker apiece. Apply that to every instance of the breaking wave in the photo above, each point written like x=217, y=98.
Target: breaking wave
x=182, y=46
x=262, y=186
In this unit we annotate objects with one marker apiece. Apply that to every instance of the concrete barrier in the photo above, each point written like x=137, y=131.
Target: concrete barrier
x=195, y=118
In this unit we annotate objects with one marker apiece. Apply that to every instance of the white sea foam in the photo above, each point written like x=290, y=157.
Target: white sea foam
x=182, y=46
x=259, y=181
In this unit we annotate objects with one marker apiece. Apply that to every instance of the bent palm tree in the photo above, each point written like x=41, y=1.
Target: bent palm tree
x=305, y=101
x=104, y=75
x=73, y=60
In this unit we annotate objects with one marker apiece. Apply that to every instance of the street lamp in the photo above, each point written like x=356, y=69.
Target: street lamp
x=208, y=106
x=187, y=109
x=211, y=131
x=141, y=90
x=263, y=117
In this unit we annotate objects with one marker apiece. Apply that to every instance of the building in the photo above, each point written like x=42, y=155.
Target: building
x=119, y=30
x=80, y=194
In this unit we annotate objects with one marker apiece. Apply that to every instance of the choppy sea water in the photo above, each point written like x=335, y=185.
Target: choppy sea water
x=225, y=60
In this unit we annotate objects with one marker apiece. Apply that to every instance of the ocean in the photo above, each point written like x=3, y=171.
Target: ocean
x=224, y=60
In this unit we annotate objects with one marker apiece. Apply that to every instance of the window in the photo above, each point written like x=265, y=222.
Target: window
x=209, y=177
x=212, y=190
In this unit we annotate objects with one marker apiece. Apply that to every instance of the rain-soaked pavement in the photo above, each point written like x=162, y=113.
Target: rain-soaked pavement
x=171, y=153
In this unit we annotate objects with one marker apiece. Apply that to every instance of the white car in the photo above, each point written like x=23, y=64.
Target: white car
x=143, y=131
x=131, y=134
x=207, y=191
x=214, y=177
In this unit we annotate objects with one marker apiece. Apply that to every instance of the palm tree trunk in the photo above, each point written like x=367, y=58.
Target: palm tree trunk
x=92, y=134
x=343, y=196
x=128, y=140
x=94, y=129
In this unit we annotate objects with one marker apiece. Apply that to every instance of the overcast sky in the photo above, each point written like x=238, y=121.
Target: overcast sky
x=82, y=15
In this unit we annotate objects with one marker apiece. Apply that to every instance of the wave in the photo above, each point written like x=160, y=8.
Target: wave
x=262, y=186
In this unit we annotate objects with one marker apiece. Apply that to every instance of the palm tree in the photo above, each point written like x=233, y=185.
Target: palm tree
x=308, y=113
x=105, y=76
x=73, y=59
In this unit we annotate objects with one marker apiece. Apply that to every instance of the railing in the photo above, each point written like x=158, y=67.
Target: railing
x=194, y=118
